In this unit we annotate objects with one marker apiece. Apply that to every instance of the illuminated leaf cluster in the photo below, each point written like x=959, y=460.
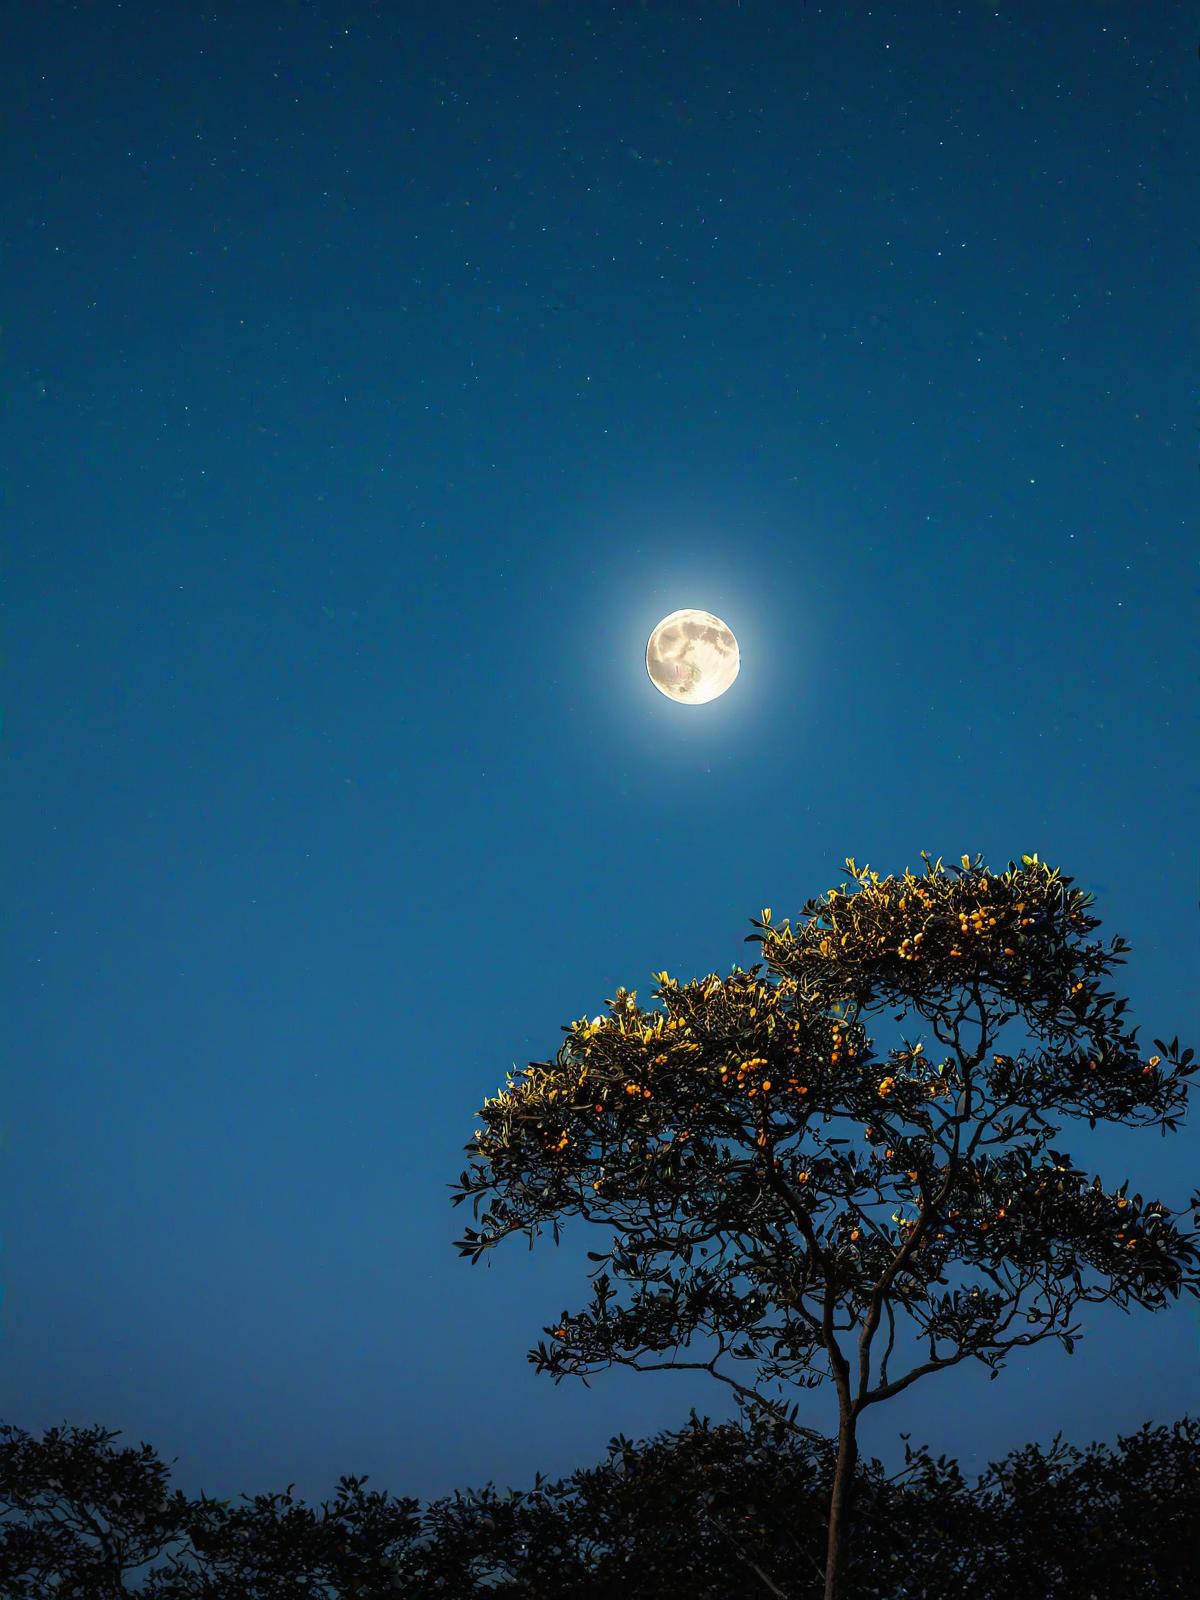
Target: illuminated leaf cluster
x=775, y=1176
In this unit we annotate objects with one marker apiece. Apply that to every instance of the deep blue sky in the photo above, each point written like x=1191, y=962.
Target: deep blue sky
x=374, y=378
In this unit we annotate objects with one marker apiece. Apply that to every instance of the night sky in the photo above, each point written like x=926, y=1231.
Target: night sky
x=375, y=377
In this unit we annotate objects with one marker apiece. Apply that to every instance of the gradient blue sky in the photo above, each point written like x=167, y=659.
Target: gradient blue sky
x=374, y=378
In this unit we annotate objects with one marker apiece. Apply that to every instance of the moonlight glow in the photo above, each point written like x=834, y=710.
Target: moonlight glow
x=692, y=657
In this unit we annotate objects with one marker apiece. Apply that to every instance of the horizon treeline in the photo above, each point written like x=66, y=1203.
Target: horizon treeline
x=705, y=1512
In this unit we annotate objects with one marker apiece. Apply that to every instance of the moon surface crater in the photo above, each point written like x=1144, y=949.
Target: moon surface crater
x=692, y=657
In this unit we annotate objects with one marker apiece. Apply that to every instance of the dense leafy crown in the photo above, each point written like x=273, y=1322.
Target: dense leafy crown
x=772, y=1176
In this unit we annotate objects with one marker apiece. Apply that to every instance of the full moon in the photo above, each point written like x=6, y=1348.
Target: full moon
x=692, y=657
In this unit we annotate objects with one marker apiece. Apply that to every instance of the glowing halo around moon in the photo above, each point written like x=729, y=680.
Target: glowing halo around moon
x=692, y=657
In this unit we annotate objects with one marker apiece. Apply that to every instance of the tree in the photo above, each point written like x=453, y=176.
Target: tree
x=1100, y=1524
x=362, y=1546
x=81, y=1519
x=784, y=1191
x=80, y=1515
x=695, y=1514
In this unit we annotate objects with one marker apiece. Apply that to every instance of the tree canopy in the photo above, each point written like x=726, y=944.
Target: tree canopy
x=776, y=1179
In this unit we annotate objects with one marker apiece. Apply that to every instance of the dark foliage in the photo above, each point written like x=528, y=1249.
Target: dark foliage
x=705, y=1513
x=78, y=1516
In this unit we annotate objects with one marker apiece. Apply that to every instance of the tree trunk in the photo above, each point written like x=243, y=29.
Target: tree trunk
x=839, y=1506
